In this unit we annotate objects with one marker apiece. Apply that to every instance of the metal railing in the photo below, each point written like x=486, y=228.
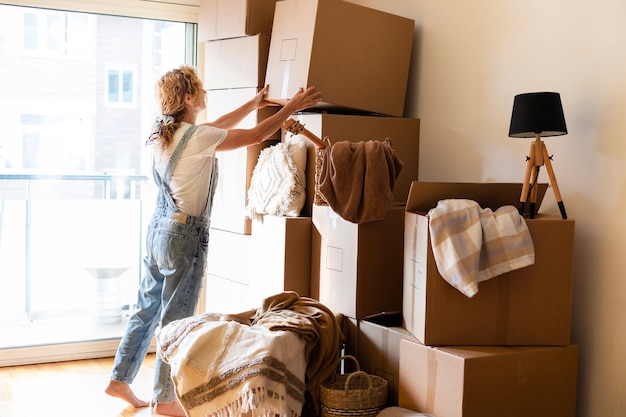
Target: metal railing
x=112, y=186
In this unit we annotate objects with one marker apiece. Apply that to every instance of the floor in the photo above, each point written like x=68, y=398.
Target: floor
x=69, y=389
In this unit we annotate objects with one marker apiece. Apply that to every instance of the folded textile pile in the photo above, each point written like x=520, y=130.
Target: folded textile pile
x=471, y=244
x=226, y=369
x=357, y=179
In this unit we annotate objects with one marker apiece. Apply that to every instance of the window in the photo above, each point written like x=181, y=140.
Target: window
x=121, y=87
x=77, y=102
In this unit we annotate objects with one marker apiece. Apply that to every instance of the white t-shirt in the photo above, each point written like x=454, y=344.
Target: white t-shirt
x=189, y=184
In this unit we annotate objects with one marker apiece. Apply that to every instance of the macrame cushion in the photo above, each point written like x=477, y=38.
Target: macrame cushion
x=277, y=186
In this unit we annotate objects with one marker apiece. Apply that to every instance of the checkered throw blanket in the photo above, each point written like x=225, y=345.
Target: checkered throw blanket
x=471, y=244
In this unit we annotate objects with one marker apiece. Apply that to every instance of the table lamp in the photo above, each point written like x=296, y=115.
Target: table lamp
x=537, y=115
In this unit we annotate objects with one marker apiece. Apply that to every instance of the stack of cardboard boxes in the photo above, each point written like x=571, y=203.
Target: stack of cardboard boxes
x=359, y=59
x=246, y=261
x=504, y=352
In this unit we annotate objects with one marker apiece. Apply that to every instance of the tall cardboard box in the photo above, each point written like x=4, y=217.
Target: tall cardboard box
x=222, y=19
x=236, y=62
x=228, y=285
x=236, y=166
x=281, y=255
x=527, y=306
x=360, y=265
x=403, y=133
x=356, y=56
x=488, y=381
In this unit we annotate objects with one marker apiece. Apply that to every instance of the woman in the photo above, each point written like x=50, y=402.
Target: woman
x=185, y=170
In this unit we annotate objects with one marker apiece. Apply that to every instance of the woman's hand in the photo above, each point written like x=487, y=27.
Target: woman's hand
x=259, y=100
x=304, y=99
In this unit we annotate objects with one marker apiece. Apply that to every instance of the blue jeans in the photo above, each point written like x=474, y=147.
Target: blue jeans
x=174, y=269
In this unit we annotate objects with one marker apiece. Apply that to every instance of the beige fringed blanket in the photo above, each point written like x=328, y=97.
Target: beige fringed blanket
x=471, y=244
x=227, y=369
x=272, y=368
x=357, y=179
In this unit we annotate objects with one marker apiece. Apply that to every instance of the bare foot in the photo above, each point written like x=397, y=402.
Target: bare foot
x=173, y=409
x=122, y=390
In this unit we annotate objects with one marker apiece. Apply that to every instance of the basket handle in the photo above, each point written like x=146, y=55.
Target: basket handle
x=358, y=374
x=356, y=361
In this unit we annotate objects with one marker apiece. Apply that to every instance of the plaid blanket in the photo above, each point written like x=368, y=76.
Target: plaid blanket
x=471, y=244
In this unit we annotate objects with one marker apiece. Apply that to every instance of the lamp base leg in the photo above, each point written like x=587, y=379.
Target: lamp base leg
x=562, y=209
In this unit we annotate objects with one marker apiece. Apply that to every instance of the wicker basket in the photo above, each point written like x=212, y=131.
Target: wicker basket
x=296, y=128
x=356, y=394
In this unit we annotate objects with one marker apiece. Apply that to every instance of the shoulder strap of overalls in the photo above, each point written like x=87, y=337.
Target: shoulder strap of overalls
x=169, y=169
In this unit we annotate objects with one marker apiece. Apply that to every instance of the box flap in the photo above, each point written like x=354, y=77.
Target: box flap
x=424, y=196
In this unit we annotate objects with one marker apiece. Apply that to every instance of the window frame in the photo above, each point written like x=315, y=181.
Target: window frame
x=186, y=11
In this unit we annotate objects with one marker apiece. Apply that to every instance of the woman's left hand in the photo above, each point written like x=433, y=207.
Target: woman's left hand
x=259, y=99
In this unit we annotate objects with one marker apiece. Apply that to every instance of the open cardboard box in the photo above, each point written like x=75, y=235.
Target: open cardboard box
x=527, y=306
x=403, y=133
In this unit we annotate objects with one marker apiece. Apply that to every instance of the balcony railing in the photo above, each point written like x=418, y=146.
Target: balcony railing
x=69, y=243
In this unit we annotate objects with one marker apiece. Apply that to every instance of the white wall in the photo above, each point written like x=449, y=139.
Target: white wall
x=470, y=60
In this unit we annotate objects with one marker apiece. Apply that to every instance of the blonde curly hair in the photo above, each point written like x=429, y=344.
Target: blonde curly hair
x=171, y=90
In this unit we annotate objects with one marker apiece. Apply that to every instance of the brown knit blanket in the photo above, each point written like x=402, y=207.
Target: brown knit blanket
x=357, y=179
x=320, y=329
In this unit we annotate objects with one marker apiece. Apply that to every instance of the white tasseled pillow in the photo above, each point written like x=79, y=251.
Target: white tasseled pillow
x=277, y=186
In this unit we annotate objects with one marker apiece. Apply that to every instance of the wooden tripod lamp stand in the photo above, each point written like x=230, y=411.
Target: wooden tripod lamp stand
x=536, y=115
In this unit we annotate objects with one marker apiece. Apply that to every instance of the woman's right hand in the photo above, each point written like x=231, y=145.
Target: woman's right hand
x=304, y=99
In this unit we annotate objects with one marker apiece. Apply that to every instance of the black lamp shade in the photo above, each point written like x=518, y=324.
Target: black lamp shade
x=537, y=113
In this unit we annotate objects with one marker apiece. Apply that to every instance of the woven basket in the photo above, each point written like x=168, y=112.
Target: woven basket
x=356, y=394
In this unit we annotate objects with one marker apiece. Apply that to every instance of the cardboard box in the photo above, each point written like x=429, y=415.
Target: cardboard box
x=228, y=288
x=228, y=297
x=488, y=381
x=242, y=270
x=527, y=306
x=403, y=133
x=356, y=56
x=222, y=19
x=378, y=350
x=281, y=255
x=236, y=166
x=360, y=265
x=236, y=62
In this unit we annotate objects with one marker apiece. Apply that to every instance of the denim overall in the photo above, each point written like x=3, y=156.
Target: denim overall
x=176, y=248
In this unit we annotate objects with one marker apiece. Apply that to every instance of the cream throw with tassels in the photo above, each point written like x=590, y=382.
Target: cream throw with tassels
x=227, y=369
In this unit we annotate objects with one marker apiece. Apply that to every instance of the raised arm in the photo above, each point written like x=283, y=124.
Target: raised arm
x=238, y=138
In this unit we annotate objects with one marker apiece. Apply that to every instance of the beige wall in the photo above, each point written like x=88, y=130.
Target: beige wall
x=470, y=59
